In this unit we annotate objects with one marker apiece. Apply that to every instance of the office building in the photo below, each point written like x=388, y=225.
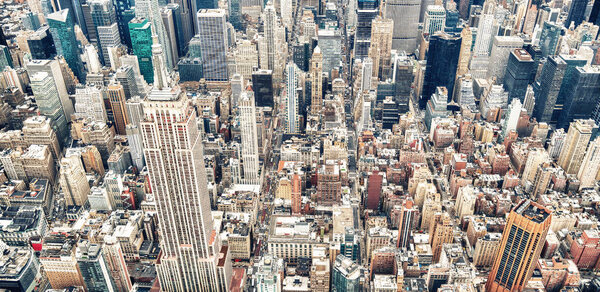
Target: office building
x=91, y=263
x=588, y=172
x=49, y=103
x=171, y=29
x=547, y=88
x=435, y=19
x=441, y=230
x=549, y=38
x=41, y=44
x=405, y=15
x=89, y=103
x=501, y=50
x=115, y=261
x=517, y=75
x=62, y=29
x=116, y=96
x=520, y=247
x=171, y=181
x=577, y=13
x=212, y=32
x=346, y=275
x=330, y=43
x=380, y=51
x=366, y=11
x=291, y=99
x=578, y=93
x=575, y=144
x=125, y=75
x=20, y=268
x=141, y=41
x=247, y=112
x=316, y=74
x=405, y=226
x=73, y=181
x=442, y=62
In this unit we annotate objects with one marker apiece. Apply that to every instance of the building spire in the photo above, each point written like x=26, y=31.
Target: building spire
x=161, y=77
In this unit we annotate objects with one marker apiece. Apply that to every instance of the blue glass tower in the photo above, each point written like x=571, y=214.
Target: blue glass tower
x=141, y=42
x=122, y=7
x=62, y=29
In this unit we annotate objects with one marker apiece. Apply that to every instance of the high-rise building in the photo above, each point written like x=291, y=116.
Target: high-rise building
x=116, y=96
x=270, y=23
x=346, y=274
x=577, y=13
x=141, y=41
x=330, y=43
x=108, y=38
x=547, y=88
x=125, y=75
x=578, y=93
x=41, y=45
x=442, y=61
x=520, y=247
x=316, y=74
x=169, y=21
x=186, y=243
x=405, y=15
x=249, y=138
x=62, y=29
x=517, y=75
x=89, y=103
x=374, y=185
x=296, y=194
x=286, y=11
x=465, y=51
x=104, y=16
x=588, y=172
x=150, y=10
x=246, y=58
x=73, y=181
x=365, y=13
x=91, y=263
x=123, y=15
x=49, y=103
x=405, y=223
x=381, y=46
x=437, y=106
x=549, y=38
x=501, y=50
x=212, y=31
x=573, y=149
x=291, y=99
x=441, y=230
x=319, y=275
x=435, y=19
x=115, y=263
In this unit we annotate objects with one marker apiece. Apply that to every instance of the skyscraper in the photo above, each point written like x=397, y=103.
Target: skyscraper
x=405, y=14
x=442, y=61
x=381, y=46
x=91, y=263
x=588, y=172
x=105, y=22
x=49, y=103
x=116, y=96
x=191, y=260
x=291, y=99
x=501, y=49
x=249, y=138
x=62, y=29
x=517, y=75
x=576, y=13
x=549, y=38
x=547, y=88
x=574, y=146
x=141, y=42
x=270, y=22
x=520, y=247
x=122, y=7
x=212, y=31
x=435, y=19
x=73, y=181
x=115, y=263
x=365, y=13
x=316, y=74
x=168, y=19
x=407, y=216
x=41, y=44
x=150, y=10
x=580, y=94
x=108, y=37
x=262, y=84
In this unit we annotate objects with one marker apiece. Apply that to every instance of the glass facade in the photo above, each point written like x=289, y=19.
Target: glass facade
x=141, y=42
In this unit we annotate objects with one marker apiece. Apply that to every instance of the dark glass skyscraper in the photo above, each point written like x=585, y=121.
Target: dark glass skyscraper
x=262, y=84
x=576, y=13
x=41, y=44
x=573, y=61
x=517, y=76
x=366, y=12
x=62, y=29
x=547, y=88
x=582, y=95
x=442, y=61
x=123, y=18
